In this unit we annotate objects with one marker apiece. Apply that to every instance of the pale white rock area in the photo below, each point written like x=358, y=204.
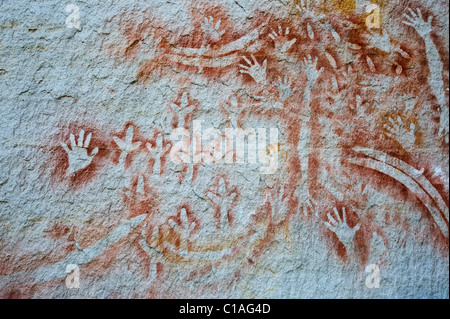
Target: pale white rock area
x=208, y=231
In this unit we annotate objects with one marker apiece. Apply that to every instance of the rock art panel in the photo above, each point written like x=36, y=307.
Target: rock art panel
x=246, y=149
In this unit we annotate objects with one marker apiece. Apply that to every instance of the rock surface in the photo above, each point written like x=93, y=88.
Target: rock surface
x=119, y=177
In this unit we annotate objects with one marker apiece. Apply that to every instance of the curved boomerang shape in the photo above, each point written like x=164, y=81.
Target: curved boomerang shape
x=204, y=62
x=237, y=45
x=218, y=58
x=411, y=178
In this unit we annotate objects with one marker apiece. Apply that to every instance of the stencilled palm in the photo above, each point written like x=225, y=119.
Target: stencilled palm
x=339, y=226
x=78, y=153
x=338, y=95
x=398, y=131
x=278, y=203
x=285, y=89
x=312, y=73
x=126, y=145
x=360, y=195
x=222, y=198
x=309, y=205
x=282, y=43
x=307, y=10
x=302, y=193
x=183, y=109
x=435, y=65
x=185, y=229
x=383, y=42
x=152, y=250
x=265, y=104
x=149, y=47
x=416, y=21
x=255, y=70
x=211, y=32
x=157, y=153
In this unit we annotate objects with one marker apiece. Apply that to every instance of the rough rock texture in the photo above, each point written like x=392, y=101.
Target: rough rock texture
x=344, y=182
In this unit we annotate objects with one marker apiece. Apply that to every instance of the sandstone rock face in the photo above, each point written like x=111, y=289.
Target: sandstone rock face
x=229, y=149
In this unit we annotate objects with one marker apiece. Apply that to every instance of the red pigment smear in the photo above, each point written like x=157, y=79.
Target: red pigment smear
x=58, y=160
x=141, y=204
